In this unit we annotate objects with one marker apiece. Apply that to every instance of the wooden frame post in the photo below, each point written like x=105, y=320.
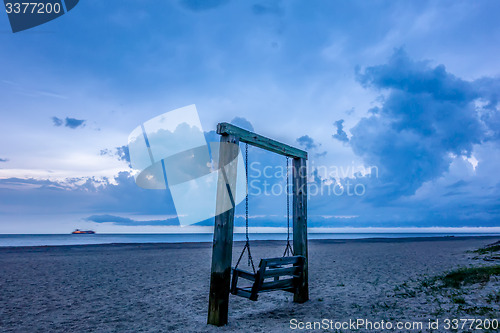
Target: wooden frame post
x=299, y=172
x=222, y=248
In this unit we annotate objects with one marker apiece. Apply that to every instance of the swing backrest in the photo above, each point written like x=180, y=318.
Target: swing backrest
x=285, y=272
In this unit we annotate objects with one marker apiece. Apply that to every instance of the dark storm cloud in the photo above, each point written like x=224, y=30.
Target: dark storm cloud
x=427, y=117
x=74, y=123
x=307, y=142
x=121, y=153
x=57, y=121
x=68, y=122
x=341, y=135
x=243, y=123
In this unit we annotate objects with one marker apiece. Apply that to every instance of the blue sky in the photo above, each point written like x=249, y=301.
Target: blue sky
x=411, y=88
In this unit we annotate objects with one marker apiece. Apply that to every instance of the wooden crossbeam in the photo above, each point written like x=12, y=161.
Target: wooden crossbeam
x=260, y=141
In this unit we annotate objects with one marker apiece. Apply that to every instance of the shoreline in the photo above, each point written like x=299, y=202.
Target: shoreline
x=180, y=245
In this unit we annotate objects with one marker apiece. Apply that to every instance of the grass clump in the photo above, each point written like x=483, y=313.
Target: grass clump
x=458, y=300
x=479, y=310
x=495, y=247
x=469, y=275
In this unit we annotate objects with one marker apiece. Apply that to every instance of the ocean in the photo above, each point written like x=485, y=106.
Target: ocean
x=9, y=240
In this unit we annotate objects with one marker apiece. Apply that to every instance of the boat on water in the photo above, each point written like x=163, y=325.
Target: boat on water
x=78, y=231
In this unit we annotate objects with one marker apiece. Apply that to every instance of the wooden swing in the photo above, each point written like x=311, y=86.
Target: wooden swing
x=286, y=273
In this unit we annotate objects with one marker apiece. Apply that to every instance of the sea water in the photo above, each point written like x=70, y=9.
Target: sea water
x=69, y=239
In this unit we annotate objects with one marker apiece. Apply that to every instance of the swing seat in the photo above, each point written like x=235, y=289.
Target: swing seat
x=287, y=273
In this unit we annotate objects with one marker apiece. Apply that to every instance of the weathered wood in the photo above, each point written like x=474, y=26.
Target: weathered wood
x=283, y=271
x=258, y=281
x=234, y=284
x=244, y=275
x=277, y=285
x=222, y=248
x=299, y=172
x=282, y=261
x=292, y=277
x=243, y=293
x=260, y=141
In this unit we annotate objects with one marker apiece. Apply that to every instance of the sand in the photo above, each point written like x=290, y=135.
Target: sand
x=164, y=287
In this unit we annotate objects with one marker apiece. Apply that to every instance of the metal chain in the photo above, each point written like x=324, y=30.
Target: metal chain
x=287, y=202
x=246, y=198
x=247, y=240
x=288, y=248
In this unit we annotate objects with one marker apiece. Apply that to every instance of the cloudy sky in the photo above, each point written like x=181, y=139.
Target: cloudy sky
x=397, y=100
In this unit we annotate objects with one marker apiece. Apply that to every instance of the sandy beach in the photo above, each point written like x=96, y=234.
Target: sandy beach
x=164, y=287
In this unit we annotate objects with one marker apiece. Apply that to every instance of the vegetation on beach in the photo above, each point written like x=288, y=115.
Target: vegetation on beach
x=488, y=249
x=467, y=276
x=462, y=289
x=468, y=290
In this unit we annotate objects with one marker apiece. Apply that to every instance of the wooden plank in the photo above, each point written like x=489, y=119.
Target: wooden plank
x=299, y=172
x=244, y=275
x=291, y=290
x=258, y=281
x=234, y=284
x=282, y=272
x=222, y=249
x=282, y=261
x=260, y=141
x=277, y=285
x=243, y=293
